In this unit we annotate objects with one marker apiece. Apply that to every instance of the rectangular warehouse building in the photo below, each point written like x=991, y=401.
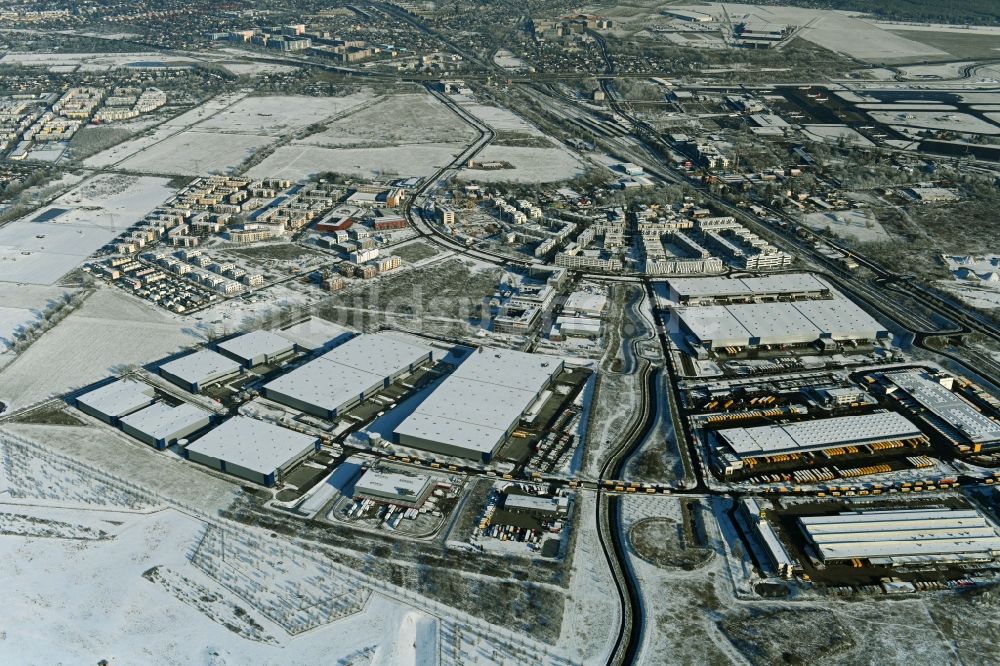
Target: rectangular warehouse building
x=314, y=334
x=115, y=400
x=256, y=348
x=778, y=323
x=905, y=536
x=250, y=449
x=347, y=375
x=196, y=371
x=473, y=412
x=708, y=290
x=394, y=487
x=161, y=425
x=949, y=413
x=818, y=435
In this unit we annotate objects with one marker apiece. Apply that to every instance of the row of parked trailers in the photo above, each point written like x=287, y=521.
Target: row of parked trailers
x=830, y=454
x=633, y=487
x=832, y=472
x=876, y=488
x=390, y=514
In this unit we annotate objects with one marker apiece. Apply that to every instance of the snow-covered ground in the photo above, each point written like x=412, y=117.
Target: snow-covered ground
x=46, y=244
x=110, y=330
x=299, y=161
x=944, y=120
x=151, y=576
x=531, y=165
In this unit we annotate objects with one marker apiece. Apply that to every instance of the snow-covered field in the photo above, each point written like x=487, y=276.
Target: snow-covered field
x=498, y=118
x=134, y=577
x=257, y=68
x=93, y=61
x=858, y=224
x=43, y=246
x=194, y=153
x=12, y=320
x=403, y=119
x=587, y=636
x=110, y=330
x=531, y=165
x=222, y=133
x=22, y=304
x=299, y=161
x=834, y=133
x=206, y=109
x=954, y=122
x=275, y=115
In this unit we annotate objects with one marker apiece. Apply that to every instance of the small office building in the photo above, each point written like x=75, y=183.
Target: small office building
x=394, y=487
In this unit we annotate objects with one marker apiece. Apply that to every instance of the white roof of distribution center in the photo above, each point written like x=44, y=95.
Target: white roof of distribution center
x=505, y=367
x=201, y=366
x=839, y=317
x=925, y=533
x=256, y=445
x=120, y=397
x=380, y=354
x=819, y=434
x=478, y=403
x=475, y=406
x=257, y=343
x=161, y=420
x=315, y=333
x=786, y=283
x=325, y=385
x=343, y=373
x=779, y=323
x=946, y=405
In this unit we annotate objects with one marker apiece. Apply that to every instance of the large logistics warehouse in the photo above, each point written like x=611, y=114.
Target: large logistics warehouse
x=250, y=449
x=819, y=435
x=778, y=323
x=347, y=375
x=256, y=348
x=115, y=400
x=906, y=536
x=479, y=405
x=708, y=290
x=950, y=414
x=314, y=334
x=200, y=369
x=161, y=425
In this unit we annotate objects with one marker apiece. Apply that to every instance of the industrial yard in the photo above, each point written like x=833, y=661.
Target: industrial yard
x=396, y=333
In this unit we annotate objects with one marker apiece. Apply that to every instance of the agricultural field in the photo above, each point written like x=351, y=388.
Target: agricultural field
x=299, y=161
x=193, y=153
x=861, y=225
x=394, y=120
x=530, y=165
x=275, y=115
x=114, y=331
x=46, y=244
